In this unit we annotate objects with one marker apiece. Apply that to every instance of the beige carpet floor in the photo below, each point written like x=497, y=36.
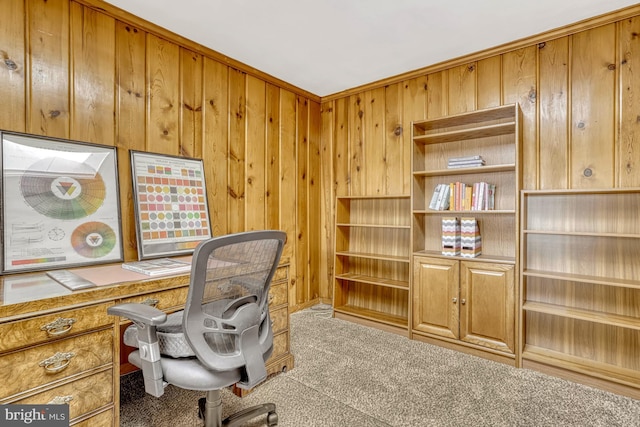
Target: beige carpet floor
x=351, y=375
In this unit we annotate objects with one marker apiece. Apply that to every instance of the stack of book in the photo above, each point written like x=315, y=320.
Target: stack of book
x=458, y=196
x=465, y=162
x=441, y=198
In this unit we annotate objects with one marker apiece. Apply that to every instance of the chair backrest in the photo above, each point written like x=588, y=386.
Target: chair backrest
x=226, y=317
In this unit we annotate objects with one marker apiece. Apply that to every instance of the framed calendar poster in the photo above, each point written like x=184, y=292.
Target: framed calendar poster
x=172, y=214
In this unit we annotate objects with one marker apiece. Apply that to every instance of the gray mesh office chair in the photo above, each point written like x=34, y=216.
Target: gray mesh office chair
x=223, y=336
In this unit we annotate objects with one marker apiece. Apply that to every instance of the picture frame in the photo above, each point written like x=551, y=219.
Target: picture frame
x=170, y=202
x=60, y=203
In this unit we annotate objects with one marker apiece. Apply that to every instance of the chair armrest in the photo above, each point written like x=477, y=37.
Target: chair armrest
x=137, y=312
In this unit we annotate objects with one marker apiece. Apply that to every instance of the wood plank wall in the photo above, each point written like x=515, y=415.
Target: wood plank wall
x=276, y=156
x=576, y=87
x=86, y=71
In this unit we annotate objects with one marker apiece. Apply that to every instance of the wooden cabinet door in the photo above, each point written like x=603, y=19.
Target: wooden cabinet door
x=487, y=305
x=435, y=296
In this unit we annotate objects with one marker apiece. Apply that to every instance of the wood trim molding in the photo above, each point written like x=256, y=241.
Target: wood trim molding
x=128, y=18
x=583, y=25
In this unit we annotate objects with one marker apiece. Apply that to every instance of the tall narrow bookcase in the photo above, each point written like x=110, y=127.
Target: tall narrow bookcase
x=580, y=285
x=371, y=283
x=469, y=304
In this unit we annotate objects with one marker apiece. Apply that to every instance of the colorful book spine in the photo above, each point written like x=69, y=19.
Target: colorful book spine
x=470, y=239
x=450, y=236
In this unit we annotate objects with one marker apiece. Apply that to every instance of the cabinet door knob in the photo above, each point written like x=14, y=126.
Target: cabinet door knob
x=463, y=301
x=455, y=300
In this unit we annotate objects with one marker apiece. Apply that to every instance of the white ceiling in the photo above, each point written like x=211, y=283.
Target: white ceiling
x=327, y=46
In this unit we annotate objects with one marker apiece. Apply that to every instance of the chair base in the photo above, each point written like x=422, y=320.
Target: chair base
x=210, y=410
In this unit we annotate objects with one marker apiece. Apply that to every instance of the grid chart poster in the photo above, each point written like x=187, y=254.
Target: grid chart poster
x=60, y=203
x=171, y=204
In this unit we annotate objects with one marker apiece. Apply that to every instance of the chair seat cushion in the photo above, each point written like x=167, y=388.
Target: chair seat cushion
x=190, y=374
x=171, y=339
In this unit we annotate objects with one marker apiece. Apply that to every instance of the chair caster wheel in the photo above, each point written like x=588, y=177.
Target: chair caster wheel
x=272, y=419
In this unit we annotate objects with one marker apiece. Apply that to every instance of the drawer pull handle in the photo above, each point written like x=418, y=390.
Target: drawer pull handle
x=151, y=302
x=57, y=362
x=60, y=400
x=58, y=327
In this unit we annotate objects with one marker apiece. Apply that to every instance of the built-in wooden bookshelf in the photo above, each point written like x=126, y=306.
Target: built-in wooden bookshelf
x=371, y=283
x=580, y=285
x=469, y=304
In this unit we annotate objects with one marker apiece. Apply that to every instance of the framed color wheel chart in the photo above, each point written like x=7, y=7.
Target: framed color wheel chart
x=60, y=203
x=172, y=215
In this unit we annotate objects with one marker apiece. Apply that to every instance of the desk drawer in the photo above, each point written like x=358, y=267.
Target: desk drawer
x=36, y=330
x=168, y=300
x=24, y=370
x=280, y=319
x=83, y=396
x=280, y=345
x=278, y=295
x=103, y=419
x=280, y=274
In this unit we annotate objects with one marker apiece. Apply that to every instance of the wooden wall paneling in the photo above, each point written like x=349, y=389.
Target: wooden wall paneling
x=356, y=146
x=341, y=145
x=397, y=156
x=489, y=82
x=629, y=136
x=48, y=47
x=288, y=185
x=273, y=154
x=592, y=108
x=519, y=69
x=191, y=96
x=163, y=80
x=462, y=89
x=437, y=92
x=255, y=151
x=13, y=66
x=237, y=141
x=414, y=107
x=374, y=166
x=302, y=198
x=215, y=142
x=315, y=224
x=93, y=64
x=553, y=121
x=327, y=195
x=130, y=114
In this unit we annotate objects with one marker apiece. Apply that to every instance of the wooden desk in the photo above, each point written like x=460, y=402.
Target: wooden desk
x=61, y=346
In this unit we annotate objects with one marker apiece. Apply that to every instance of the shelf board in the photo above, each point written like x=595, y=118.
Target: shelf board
x=377, y=281
x=598, y=280
x=378, y=196
x=481, y=258
x=464, y=134
x=373, y=256
x=464, y=171
x=373, y=225
x=581, y=314
x=377, y=316
x=582, y=365
x=583, y=234
x=466, y=213
x=581, y=191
